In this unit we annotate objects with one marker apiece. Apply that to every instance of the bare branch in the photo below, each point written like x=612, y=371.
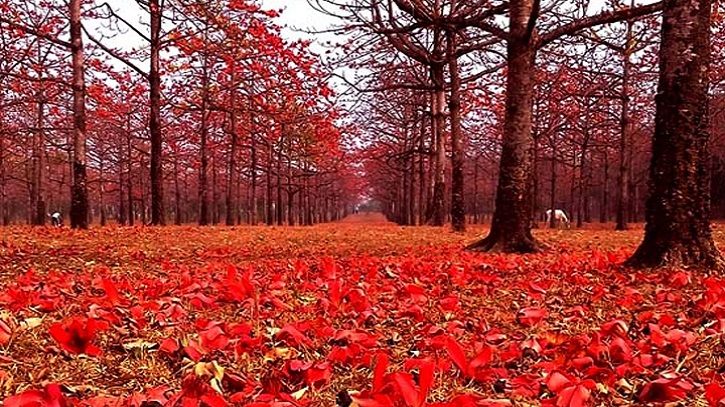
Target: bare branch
x=602, y=18
x=115, y=54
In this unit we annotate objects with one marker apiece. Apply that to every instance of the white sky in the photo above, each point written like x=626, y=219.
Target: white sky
x=298, y=14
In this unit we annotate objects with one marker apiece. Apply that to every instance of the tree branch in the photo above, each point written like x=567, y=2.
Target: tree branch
x=602, y=18
x=36, y=33
x=115, y=54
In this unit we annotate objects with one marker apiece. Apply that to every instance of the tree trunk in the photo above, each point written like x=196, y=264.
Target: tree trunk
x=204, y=215
x=475, y=190
x=458, y=210
x=604, y=209
x=129, y=167
x=231, y=199
x=177, y=195
x=552, y=201
x=622, y=179
x=215, y=206
x=79, y=192
x=290, y=195
x=157, y=178
x=278, y=181
x=268, y=197
x=412, y=210
x=38, y=211
x=535, y=181
x=511, y=226
x=678, y=231
x=3, y=180
x=437, y=209
x=422, y=204
x=253, y=170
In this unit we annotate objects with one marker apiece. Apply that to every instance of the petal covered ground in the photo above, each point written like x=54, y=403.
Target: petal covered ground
x=356, y=313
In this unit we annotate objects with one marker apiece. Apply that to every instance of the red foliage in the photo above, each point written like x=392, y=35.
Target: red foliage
x=76, y=336
x=50, y=396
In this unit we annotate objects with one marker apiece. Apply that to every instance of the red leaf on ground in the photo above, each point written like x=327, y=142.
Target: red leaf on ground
x=76, y=337
x=665, y=390
x=5, y=333
x=531, y=316
x=455, y=352
x=381, y=365
x=715, y=394
x=50, y=396
x=573, y=396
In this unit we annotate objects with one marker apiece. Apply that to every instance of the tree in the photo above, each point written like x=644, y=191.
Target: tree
x=678, y=231
x=511, y=226
x=79, y=193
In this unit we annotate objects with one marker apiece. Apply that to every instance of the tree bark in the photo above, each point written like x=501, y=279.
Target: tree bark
x=604, y=205
x=269, y=218
x=511, y=226
x=3, y=180
x=253, y=170
x=79, y=191
x=678, y=231
x=231, y=199
x=437, y=209
x=157, y=178
x=38, y=210
x=278, y=183
x=622, y=179
x=129, y=168
x=204, y=218
x=458, y=210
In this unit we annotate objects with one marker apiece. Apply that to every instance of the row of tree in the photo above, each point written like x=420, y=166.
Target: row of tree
x=214, y=117
x=560, y=96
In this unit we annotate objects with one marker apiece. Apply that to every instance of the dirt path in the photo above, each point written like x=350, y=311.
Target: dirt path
x=367, y=217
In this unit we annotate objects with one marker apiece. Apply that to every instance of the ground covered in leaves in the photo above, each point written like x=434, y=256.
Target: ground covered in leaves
x=360, y=313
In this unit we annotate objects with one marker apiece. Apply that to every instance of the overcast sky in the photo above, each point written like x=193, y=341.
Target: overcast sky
x=298, y=14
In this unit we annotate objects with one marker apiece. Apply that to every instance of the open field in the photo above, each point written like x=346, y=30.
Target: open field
x=357, y=313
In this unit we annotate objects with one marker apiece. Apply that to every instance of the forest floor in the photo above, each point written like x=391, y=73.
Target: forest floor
x=357, y=313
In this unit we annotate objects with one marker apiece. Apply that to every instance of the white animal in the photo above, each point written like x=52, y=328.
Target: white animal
x=56, y=219
x=559, y=217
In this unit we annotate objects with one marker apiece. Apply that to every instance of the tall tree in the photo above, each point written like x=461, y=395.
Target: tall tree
x=154, y=76
x=678, y=231
x=79, y=193
x=511, y=226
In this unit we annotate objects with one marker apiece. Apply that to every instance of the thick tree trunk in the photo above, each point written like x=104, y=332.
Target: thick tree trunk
x=458, y=210
x=157, y=176
x=511, y=226
x=79, y=191
x=678, y=231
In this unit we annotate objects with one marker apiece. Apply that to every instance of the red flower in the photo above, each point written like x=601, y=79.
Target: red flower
x=51, y=396
x=76, y=336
